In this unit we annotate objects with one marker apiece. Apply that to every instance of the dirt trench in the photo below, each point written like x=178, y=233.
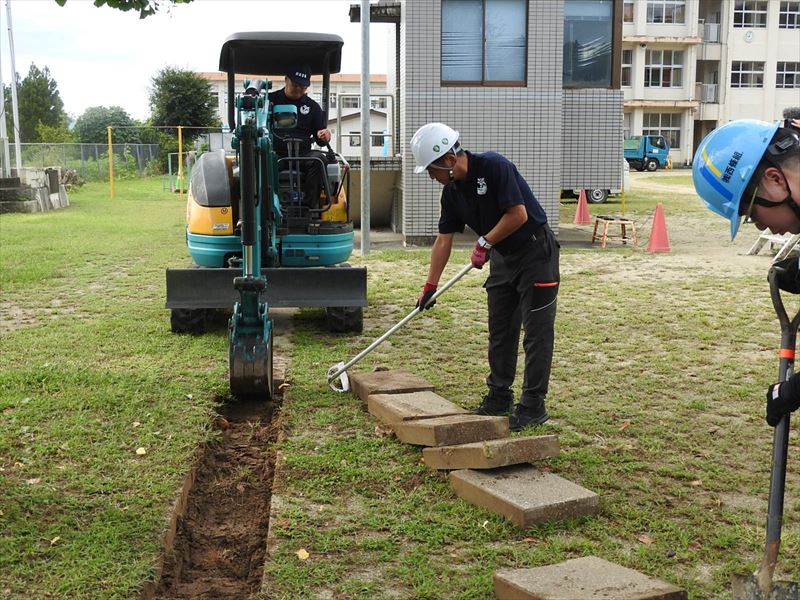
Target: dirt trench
x=220, y=537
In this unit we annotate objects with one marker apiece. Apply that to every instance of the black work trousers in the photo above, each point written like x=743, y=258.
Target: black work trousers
x=522, y=289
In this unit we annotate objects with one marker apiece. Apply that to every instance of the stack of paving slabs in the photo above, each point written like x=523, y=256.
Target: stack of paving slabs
x=487, y=467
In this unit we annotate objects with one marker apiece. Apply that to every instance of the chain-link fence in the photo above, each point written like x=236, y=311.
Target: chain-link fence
x=89, y=160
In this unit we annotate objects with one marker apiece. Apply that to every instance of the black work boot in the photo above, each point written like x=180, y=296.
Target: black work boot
x=494, y=406
x=522, y=416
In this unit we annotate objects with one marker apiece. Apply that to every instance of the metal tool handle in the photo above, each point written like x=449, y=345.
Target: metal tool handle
x=398, y=325
x=780, y=442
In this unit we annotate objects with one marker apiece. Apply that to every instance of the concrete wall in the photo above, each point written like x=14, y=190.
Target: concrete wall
x=35, y=190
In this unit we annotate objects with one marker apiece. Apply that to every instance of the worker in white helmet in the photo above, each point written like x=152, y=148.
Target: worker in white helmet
x=487, y=193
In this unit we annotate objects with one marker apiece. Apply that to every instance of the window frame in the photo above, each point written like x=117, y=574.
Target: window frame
x=674, y=4
x=628, y=66
x=761, y=10
x=355, y=139
x=483, y=82
x=346, y=101
x=788, y=18
x=752, y=72
x=616, y=52
x=631, y=13
x=662, y=129
x=662, y=67
x=780, y=75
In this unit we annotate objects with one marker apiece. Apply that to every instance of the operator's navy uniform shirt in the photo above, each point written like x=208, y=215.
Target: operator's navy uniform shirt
x=310, y=120
x=492, y=186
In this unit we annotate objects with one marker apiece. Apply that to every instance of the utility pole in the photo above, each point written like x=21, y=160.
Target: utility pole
x=366, y=140
x=6, y=171
x=14, y=110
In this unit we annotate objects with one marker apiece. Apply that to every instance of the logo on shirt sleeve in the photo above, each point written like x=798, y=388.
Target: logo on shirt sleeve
x=305, y=109
x=481, y=186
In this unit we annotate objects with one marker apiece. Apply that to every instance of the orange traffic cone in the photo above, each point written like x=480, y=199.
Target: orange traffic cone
x=582, y=211
x=659, y=240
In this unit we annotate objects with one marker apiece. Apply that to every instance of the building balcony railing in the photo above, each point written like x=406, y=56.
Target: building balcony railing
x=711, y=33
x=706, y=92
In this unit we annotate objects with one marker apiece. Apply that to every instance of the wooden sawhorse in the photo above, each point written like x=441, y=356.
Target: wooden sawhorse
x=627, y=230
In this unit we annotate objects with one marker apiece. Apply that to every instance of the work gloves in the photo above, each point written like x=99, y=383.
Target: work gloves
x=479, y=256
x=428, y=290
x=787, y=275
x=782, y=398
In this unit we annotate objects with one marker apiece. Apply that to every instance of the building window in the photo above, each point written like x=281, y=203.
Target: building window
x=626, y=125
x=663, y=68
x=377, y=102
x=377, y=139
x=788, y=75
x=355, y=139
x=666, y=11
x=484, y=42
x=789, y=15
x=627, y=11
x=750, y=13
x=627, y=66
x=587, y=43
x=351, y=102
x=747, y=74
x=667, y=125
x=333, y=100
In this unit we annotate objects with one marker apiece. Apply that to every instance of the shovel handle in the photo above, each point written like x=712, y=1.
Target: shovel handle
x=466, y=269
x=780, y=442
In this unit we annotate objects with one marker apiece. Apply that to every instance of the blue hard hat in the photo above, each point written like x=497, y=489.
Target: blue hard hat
x=725, y=162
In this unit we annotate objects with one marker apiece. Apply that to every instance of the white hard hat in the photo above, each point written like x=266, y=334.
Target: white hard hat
x=430, y=142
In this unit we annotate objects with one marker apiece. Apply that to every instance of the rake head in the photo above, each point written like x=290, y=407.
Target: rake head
x=338, y=379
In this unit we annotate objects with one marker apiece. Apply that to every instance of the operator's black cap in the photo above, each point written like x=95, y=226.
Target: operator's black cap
x=300, y=74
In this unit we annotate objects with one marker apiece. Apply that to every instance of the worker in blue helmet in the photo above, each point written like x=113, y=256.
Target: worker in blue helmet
x=749, y=171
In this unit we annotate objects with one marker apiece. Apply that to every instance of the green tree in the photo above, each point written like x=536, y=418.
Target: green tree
x=145, y=7
x=38, y=101
x=55, y=135
x=92, y=126
x=180, y=97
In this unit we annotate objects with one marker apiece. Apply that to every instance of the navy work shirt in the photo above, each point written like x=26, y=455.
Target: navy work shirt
x=310, y=119
x=492, y=186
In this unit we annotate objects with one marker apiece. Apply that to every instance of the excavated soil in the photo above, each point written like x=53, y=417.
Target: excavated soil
x=221, y=531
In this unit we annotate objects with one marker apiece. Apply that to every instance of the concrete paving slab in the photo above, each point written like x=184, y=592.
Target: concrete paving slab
x=452, y=430
x=393, y=408
x=386, y=382
x=588, y=578
x=524, y=494
x=491, y=454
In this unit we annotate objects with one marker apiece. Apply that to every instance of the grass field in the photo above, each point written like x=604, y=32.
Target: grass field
x=657, y=394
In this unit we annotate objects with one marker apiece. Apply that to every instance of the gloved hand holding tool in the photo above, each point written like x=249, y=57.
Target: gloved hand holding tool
x=787, y=274
x=782, y=398
x=424, y=300
x=760, y=586
x=337, y=374
x=481, y=253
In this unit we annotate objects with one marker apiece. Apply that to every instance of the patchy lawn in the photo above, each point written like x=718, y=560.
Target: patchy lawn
x=657, y=394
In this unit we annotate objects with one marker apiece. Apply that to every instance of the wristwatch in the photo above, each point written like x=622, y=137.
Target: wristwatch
x=483, y=243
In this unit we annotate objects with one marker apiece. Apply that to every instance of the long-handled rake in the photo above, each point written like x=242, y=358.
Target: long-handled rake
x=760, y=586
x=337, y=374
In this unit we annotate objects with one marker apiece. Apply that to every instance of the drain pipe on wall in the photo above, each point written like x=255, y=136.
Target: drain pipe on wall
x=366, y=140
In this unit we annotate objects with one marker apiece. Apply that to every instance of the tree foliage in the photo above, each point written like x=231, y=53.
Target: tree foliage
x=180, y=97
x=92, y=126
x=55, y=135
x=145, y=7
x=38, y=101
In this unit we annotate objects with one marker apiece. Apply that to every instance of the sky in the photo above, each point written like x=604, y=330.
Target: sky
x=100, y=56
